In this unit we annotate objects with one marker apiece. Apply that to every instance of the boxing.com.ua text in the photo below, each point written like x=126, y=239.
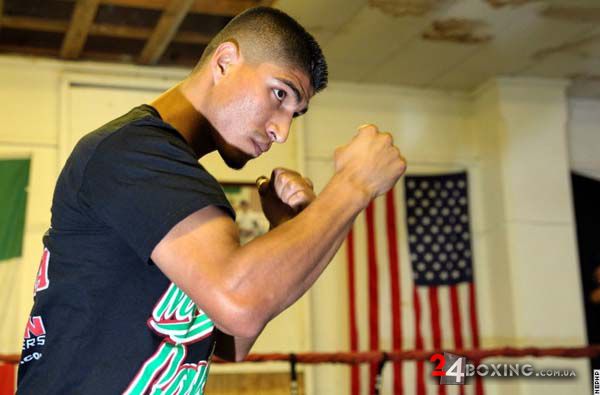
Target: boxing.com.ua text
x=454, y=369
x=514, y=370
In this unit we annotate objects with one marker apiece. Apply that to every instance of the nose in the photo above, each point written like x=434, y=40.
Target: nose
x=278, y=129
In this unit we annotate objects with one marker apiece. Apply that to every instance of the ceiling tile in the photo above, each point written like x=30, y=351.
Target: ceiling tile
x=317, y=15
x=418, y=63
x=371, y=36
x=579, y=56
x=512, y=51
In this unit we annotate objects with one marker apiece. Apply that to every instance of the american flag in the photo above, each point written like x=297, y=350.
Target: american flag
x=426, y=303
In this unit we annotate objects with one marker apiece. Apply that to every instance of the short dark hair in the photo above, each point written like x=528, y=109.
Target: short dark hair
x=268, y=34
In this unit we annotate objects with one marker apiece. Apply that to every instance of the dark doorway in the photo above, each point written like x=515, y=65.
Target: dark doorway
x=586, y=199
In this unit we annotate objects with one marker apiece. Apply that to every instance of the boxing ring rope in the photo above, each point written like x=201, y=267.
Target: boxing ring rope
x=351, y=358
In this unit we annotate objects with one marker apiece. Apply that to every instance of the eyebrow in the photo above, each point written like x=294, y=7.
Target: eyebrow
x=297, y=94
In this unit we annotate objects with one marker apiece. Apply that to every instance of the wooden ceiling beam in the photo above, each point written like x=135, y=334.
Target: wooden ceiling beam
x=192, y=38
x=165, y=30
x=101, y=29
x=81, y=21
x=36, y=24
x=211, y=7
x=143, y=33
x=25, y=50
x=187, y=62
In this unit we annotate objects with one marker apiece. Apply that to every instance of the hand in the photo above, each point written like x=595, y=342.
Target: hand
x=284, y=195
x=370, y=161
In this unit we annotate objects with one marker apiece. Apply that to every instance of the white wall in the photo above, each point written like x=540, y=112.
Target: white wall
x=536, y=269
x=29, y=104
x=510, y=137
x=584, y=136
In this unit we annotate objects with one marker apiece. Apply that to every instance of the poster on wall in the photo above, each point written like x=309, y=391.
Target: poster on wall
x=245, y=200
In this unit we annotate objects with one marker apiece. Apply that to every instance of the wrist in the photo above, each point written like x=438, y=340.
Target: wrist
x=348, y=187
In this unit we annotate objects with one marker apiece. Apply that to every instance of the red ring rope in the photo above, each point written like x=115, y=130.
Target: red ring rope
x=375, y=356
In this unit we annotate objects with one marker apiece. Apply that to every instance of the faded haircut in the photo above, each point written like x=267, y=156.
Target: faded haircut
x=266, y=34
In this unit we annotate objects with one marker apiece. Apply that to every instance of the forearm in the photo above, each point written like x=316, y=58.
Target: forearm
x=324, y=262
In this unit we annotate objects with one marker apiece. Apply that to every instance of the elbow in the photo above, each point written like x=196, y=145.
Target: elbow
x=241, y=327
x=241, y=319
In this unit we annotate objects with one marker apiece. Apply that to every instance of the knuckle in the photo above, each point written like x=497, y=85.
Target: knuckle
x=387, y=137
x=368, y=127
x=339, y=151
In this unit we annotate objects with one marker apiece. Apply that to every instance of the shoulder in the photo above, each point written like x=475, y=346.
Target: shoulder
x=147, y=134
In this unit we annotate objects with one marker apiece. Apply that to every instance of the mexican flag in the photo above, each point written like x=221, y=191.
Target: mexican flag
x=14, y=178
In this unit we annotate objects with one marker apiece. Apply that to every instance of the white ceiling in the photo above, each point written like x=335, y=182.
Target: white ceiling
x=364, y=42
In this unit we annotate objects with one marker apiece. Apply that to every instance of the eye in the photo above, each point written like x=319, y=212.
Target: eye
x=280, y=94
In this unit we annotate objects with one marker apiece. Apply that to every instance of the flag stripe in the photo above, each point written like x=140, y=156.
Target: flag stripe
x=361, y=281
x=463, y=301
x=354, y=373
x=373, y=290
x=473, y=311
x=455, y=308
x=420, y=371
x=474, y=332
x=392, y=239
x=384, y=289
x=456, y=324
x=435, y=316
x=435, y=324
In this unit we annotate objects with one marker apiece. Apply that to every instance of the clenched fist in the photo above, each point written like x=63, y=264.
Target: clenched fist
x=284, y=195
x=370, y=162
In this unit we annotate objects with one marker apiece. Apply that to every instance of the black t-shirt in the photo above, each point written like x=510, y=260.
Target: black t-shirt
x=106, y=320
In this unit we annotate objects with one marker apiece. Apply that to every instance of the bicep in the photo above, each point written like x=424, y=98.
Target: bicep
x=195, y=255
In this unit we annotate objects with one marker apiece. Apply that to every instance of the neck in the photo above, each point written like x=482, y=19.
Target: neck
x=175, y=109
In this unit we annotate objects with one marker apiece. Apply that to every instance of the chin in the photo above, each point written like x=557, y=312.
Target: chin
x=233, y=156
x=235, y=164
x=235, y=159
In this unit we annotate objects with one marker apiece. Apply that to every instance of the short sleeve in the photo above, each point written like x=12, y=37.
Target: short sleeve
x=142, y=180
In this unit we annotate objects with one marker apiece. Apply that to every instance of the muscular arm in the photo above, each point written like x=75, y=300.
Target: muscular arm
x=235, y=348
x=243, y=287
x=283, y=196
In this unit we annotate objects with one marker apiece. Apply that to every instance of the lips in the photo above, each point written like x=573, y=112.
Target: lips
x=260, y=148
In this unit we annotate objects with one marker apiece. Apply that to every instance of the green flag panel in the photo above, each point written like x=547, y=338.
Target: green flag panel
x=14, y=178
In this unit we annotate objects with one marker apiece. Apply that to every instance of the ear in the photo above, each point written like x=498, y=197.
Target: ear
x=225, y=56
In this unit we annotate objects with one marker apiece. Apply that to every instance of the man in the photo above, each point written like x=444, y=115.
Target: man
x=143, y=272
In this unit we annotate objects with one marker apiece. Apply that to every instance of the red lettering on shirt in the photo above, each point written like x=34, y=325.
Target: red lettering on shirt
x=42, y=281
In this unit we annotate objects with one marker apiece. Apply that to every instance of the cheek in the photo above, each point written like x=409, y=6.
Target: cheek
x=242, y=111
x=246, y=113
